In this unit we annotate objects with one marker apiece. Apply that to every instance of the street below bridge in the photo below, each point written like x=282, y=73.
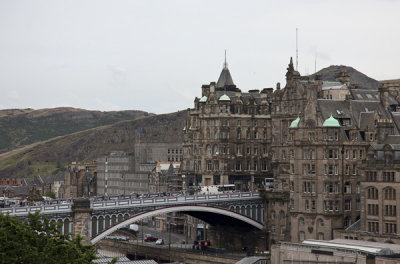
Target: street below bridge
x=177, y=252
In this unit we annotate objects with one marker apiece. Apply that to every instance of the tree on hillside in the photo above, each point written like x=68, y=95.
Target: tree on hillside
x=39, y=241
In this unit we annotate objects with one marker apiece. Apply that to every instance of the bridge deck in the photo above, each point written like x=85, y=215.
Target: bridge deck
x=109, y=204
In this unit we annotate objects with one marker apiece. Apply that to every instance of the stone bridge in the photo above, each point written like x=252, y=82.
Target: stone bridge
x=96, y=219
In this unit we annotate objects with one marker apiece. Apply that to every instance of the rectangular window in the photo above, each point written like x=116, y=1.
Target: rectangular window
x=238, y=166
x=264, y=165
x=347, y=205
x=209, y=165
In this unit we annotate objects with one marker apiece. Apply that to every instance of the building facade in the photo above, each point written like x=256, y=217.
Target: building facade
x=226, y=136
x=312, y=137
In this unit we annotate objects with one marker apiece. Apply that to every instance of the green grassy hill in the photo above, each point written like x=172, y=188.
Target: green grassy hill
x=53, y=154
x=20, y=127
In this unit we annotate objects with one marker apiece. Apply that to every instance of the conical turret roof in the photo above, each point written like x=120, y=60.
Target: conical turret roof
x=225, y=78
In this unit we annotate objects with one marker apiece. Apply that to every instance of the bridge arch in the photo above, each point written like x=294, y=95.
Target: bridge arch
x=181, y=208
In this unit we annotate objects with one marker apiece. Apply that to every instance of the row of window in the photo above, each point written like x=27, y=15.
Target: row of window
x=174, y=158
x=224, y=149
x=264, y=165
x=214, y=165
x=390, y=210
x=174, y=151
x=248, y=134
x=389, y=228
x=387, y=176
x=389, y=193
x=328, y=154
x=302, y=236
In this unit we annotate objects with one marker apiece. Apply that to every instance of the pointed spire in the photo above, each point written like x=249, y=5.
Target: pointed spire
x=290, y=68
x=225, y=78
x=225, y=63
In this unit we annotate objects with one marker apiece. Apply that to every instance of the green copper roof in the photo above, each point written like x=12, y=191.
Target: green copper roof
x=224, y=98
x=295, y=123
x=331, y=122
x=203, y=99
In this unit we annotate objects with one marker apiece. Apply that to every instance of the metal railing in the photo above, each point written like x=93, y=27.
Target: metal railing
x=101, y=205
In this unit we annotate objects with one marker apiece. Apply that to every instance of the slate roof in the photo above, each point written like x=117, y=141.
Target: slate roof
x=225, y=78
x=362, y=94
x=341, y=109
x=18, y=190
x=391, y=139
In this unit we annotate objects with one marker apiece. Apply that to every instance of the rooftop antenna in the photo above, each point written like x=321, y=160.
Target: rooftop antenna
x=315, y=63
x=225, y=64
x=297, y=50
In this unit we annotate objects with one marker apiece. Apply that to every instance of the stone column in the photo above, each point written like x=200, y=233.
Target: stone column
x=82, y=214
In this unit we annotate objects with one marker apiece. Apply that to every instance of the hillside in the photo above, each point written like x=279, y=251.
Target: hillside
x=356, y=77
x=48, y=156
x=19, y=127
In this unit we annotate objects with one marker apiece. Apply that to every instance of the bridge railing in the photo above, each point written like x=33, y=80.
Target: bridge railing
x=61, y=208
x=45, y=209
x=172, y=200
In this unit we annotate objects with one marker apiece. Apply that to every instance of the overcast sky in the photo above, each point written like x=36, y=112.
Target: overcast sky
x=155, y=55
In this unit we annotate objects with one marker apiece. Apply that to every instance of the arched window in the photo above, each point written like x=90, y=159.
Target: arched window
x=372, y=193
x=301, y=221
x=273, y=215
x=389, y=193
x=320, y=222
x=320, y=236
x=215, y=149
x=208, y=148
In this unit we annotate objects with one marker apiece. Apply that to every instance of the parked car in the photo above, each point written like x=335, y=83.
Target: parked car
x=150, y=239
x=160, y=241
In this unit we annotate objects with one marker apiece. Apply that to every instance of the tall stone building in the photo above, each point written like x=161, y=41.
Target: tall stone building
x=316, y=138
x=227, y=135
x=117, y=174
x=324, y=147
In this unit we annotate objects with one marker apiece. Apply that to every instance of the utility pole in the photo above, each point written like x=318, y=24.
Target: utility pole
x=169, y=240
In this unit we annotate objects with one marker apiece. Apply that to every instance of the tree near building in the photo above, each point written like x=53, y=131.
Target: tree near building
x=39, y=241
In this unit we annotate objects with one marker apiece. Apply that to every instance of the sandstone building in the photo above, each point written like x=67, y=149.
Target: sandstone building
x=226, y=136
x=313, y=137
